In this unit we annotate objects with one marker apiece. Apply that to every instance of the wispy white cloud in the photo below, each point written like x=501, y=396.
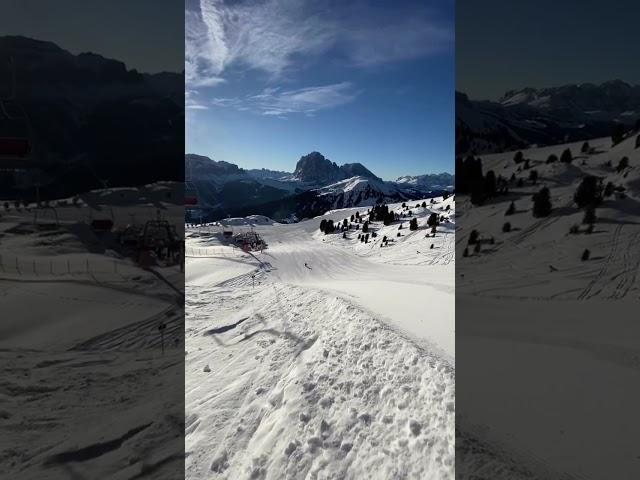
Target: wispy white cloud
x=282, y=103
x=192, y=100
x=277, y=36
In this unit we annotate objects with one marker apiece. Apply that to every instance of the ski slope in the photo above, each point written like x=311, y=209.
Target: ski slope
x=80, y=349
x=321, y=357
x=570, y=352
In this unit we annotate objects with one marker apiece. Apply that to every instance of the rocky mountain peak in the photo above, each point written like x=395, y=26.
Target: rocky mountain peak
x=315, y=168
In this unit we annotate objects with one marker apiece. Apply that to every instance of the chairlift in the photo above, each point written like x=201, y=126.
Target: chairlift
x=41, y=219
x=190, y=195
x=101, y=225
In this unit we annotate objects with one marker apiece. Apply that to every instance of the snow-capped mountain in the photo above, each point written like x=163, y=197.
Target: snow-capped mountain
x=611, y=98
x=546, y=116
x=431, y=181
x=316, y=185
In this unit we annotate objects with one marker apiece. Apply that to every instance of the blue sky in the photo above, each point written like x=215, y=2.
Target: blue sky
x=147, y=42
x=504, y=44
x=360, y=81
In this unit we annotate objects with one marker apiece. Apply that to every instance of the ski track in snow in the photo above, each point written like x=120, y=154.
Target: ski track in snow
x=80, y=349
x=571, y=323
x=301, y=377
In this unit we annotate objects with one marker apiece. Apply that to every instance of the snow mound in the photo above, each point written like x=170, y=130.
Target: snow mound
x=338, y=395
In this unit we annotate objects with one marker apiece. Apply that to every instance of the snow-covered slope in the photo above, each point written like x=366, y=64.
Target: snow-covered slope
x=361, y=191
x=81, y=359
x=322, y=357
x=569, y=348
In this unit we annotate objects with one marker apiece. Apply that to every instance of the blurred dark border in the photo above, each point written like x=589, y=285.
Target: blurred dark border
x=92, y=240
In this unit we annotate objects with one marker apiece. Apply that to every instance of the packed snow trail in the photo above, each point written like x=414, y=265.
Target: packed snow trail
x=334, y=365
x=312, y=386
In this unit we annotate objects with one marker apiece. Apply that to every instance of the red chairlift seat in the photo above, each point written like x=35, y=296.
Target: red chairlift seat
x=102, y=225
x=14, y=147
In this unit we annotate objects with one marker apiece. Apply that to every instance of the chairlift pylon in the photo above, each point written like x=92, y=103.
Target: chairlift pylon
x=16, y=134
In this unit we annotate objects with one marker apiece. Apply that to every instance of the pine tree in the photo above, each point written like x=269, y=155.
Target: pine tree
x=585, y=255
x=518, y=157
x=589, y=215
x=585, y=147
x=589, y=192
x=552, y=158
x=566, y=156
x=618, y=134
x=622, y=164
x=506, y=228
x=511, y=210
x=609, y=189
x=542, y=203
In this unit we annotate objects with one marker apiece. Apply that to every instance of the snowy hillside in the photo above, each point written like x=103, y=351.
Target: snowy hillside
x=364, y=191
x=82, y=377
x=585, y=268
x=336, y=355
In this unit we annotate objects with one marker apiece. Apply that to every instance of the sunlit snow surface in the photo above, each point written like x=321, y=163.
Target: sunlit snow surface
x=340, y=368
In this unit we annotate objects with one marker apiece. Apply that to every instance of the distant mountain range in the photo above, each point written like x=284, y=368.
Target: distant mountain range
x=530, y=116
x=315, y=186
x=94, y=122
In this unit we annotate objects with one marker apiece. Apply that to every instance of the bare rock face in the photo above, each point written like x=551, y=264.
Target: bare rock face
x=315, y=168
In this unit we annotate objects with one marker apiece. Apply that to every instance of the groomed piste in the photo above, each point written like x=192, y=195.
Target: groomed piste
x=322, y=356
